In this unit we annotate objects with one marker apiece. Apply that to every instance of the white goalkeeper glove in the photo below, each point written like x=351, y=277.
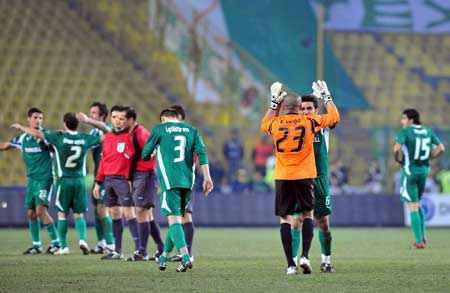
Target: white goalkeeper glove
x=321, y=91
x=277, y=95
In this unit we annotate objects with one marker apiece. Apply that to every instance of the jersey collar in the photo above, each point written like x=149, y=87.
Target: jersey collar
x=72, y=132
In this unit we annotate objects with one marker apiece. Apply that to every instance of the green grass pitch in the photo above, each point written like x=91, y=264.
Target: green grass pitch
x=244, y=260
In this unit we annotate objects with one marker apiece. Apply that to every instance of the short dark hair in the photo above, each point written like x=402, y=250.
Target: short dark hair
x=118, y=108
x=412, y=114
x=131, y=113
x=180, y=110
x=71, y=120
x=169, y=113
x=103, y=109
x=311, y=98
x=32, y=111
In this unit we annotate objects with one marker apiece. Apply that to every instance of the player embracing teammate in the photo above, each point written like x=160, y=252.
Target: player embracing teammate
x=295, y=168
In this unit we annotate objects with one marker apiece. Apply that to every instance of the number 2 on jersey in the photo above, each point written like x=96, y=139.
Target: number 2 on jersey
x=71, y=160
x=180, y=147
x=285, y=136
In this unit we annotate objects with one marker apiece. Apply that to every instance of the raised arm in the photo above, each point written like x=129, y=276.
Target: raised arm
x=95, y=123
x=321, y=91
x=31, y=131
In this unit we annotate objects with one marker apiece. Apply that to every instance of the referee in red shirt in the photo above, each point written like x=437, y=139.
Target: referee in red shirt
x=114, y=170
x=144, y=188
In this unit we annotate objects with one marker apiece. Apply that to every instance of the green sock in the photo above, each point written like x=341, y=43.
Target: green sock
x=168, y=244
x=99, y=229
x=325, y=242
x=108, y=230
x=80, y=226
x=62, y=231
x=177, y=234
x=416, y=226
x=296, y=236
x=51, y=229
x=35, y=233
x=422, y=219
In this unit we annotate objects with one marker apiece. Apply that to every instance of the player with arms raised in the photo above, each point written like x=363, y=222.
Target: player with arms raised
x=416, y=143
x=295, y=167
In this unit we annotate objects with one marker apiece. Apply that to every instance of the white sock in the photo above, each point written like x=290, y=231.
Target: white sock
x=326, y=258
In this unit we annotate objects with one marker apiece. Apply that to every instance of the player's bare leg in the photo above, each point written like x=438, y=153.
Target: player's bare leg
x=323, y=223
x=286, y=240
x=34, y=226
x=46, y=219
x=307, y=236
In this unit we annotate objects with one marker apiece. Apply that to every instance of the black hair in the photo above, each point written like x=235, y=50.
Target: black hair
x=131, y=113
x=180, y=110
x=102, y=108
x=412, y=114
x=32, y=111
x=169, y=113
x=71, y=120
x=311, y=98
x=118, y=108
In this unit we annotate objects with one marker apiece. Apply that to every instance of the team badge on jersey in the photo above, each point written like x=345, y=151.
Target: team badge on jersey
x=121, y=147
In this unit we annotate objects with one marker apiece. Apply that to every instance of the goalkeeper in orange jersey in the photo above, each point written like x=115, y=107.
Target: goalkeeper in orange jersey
x=295, y=167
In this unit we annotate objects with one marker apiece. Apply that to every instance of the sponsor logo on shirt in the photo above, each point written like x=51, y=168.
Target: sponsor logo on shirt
x=33, y=150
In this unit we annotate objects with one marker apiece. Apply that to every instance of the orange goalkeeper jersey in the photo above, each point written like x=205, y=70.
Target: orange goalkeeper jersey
x=293, y=136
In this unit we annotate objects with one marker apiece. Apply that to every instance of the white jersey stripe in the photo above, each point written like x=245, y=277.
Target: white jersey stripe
x=163, y=169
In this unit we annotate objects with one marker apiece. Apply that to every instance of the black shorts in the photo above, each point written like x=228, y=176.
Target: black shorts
x=145, y=185
x=117, y=192
x=190, y=206
x=293, y=196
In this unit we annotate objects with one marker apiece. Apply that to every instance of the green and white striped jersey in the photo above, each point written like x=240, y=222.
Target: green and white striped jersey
x=417, y=142
x=176, y=144
x=36, y=155
x=70, y=151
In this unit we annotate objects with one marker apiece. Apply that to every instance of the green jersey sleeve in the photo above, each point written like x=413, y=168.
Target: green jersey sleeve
x=92, y=140
x=401, y=137
x=53, y=137
x=151, y=143
x=16, y=142
x=434, y=139
x=200, y=150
